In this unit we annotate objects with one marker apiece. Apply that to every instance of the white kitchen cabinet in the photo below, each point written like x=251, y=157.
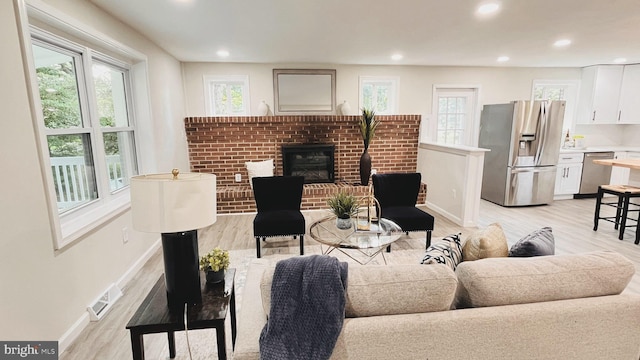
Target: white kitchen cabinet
x=600, y=94
x=629, y=108
x=619, y=175
x=568, y=175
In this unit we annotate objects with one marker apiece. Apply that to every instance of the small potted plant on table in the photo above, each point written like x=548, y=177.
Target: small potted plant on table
x=214, y=263
x=343, y=206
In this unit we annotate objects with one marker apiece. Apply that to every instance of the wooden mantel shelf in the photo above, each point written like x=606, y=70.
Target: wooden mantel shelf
x=626, y=163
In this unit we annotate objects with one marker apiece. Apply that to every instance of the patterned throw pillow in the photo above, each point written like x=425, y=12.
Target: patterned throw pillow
x=448, y=252
x=538, y=243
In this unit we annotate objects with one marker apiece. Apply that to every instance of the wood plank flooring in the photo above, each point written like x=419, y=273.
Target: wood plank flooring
x=571, y=220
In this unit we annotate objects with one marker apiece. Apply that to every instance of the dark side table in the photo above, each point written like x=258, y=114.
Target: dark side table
x=153, y=315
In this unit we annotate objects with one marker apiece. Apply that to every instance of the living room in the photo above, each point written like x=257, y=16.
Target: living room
x=81, y=267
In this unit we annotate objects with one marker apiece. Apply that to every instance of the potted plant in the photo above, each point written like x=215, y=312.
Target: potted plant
x=343, y=206
x=368, y=125
x=214, y=263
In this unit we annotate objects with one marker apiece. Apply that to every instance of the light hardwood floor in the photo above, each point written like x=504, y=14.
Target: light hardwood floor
x=571, y=220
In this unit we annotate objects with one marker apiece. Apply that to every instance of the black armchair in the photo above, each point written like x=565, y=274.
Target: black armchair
x=278, y=200
x=397, y=195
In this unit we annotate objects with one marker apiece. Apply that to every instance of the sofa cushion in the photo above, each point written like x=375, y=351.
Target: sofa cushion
x=448, y=252
x=259, y=169
x=505, y=281
x=390, y=289
x=538, y=243
x=486, y=243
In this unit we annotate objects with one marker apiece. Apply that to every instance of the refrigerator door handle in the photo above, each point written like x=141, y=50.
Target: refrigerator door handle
x=542, y=134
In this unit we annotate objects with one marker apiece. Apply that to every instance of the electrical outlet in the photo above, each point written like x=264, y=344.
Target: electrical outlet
x=374, y=171
x=125, y=235
x=238, y=177
x=454, y=193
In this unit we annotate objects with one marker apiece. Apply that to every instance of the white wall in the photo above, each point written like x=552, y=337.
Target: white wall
x=416, y=82
x=45, y=292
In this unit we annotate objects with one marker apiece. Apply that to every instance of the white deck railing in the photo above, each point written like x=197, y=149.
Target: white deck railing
x=73, y=182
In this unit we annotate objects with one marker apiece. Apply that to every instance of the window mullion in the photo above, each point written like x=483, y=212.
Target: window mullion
x=97, y=146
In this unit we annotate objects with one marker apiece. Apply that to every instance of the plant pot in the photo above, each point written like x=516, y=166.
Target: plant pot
x=365, y=167
x=214, y=277
x=344, y=224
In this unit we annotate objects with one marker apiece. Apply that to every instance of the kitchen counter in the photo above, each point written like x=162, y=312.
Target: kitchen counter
x=601, y=149
x=627, y=163
x=633, y=164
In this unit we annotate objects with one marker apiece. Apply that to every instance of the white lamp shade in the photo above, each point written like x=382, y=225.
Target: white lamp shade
x=161, y=204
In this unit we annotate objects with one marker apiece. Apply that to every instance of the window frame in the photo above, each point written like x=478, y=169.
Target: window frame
x=210, y=80
x=393, y=83
x=473, y=118
x=572, y=89
x=72, y=226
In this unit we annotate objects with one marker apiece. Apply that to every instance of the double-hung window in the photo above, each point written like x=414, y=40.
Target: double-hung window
x=380, y=94
x=226, y=95
x=87, y=120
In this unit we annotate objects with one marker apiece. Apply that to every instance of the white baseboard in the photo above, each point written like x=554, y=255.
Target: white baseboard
x=73, y=332
x=456, y=219
x=133, y=270
x=76, y=329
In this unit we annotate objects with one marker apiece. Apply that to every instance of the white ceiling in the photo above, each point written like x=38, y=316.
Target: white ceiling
x=425, y=32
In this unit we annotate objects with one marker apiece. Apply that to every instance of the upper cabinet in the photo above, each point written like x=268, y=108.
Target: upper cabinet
x=600, y=94
x=610, y=94
x=629, y=111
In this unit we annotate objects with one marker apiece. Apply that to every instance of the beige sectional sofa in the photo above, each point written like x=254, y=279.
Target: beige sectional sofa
x=547, y=307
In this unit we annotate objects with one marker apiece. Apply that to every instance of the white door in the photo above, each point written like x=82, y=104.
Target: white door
x=455, y=116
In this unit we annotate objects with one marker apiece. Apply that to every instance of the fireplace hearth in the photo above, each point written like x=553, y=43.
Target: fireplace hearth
x=313, y=161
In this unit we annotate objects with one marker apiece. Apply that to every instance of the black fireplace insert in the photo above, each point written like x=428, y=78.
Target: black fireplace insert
x=313, y=161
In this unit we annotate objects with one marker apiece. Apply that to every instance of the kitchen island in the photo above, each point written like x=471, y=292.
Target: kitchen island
x=632, y=164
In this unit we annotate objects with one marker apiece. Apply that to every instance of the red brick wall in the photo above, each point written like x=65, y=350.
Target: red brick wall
x=221, y=145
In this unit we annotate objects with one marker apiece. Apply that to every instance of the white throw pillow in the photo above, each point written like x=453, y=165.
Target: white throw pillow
x=259, y=169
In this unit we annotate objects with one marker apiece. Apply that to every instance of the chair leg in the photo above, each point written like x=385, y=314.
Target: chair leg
x=619, y=211
x=428, y=242
x=301, y=244
x=258, y=246
x=638, y=230
x=389, y=248
x=625, y=212
x=596, y=215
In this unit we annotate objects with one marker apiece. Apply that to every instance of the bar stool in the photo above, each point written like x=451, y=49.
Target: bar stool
x=624, y=193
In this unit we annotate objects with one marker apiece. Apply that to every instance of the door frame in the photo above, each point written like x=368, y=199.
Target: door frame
x=474, y=118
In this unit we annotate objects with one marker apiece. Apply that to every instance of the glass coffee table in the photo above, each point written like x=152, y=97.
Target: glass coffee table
x=366, y=243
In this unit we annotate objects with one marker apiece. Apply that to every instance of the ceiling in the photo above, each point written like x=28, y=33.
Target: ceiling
x=425, y=32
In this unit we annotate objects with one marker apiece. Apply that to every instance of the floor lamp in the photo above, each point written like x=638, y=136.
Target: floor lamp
x=176, y=205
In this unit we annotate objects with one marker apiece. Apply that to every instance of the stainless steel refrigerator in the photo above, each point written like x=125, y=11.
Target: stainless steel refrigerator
x=524, y=139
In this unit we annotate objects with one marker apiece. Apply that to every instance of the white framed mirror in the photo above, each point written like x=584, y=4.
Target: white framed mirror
x=304, y=91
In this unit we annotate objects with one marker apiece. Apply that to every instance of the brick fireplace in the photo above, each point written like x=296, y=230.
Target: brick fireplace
x=221, y=145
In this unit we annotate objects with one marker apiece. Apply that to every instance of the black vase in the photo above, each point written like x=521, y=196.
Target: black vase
x=365, y=167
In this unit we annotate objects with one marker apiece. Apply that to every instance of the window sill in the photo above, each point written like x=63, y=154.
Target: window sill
x=74, y=227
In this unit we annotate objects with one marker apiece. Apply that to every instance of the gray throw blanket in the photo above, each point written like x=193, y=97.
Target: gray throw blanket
x=308, y=298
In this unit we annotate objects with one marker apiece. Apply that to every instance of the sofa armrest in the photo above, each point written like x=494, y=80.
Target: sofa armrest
x=251, y=317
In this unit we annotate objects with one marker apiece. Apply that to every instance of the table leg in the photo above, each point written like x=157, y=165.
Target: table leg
x=222, y=346
x=171, y=335
x=137, y=345
x=233, y=317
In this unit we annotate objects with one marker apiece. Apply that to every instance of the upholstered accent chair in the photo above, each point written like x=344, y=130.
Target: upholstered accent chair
x=397, y=194
x=278, y=200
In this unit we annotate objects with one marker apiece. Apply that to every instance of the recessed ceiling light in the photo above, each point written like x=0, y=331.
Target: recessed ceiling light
x=488, y=8
x=503, y=59
x=222, y=53
x=396, y=57
x=562, y=43
x=620, y=60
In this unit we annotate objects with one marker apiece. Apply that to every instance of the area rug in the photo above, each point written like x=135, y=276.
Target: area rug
x=202, y=343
